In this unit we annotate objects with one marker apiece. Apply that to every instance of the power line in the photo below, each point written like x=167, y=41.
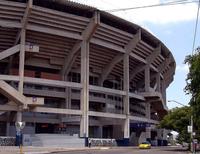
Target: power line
x=155, y=5
x=195, y=31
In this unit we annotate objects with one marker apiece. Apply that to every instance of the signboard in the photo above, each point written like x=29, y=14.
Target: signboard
x=140, y=125
x=19, y=125
x=34, y=99
x=189, y=128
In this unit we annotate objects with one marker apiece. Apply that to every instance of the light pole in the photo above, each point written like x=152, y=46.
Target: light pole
x=191, y=122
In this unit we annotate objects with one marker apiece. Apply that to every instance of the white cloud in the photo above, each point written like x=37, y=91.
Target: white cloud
x=182, y=68
x=157, y=15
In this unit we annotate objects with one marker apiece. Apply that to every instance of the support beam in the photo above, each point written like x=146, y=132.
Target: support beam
x=128, y=48
x=147, y=78
x=21, y=72
x=106, y=90
x=86, y=35
x=69, y=60
x=148, y=110
x=106, y=115
x=12, y=93
x=136, y=96
x=164, y=64
x=8, y=108
x=149, y=60
x=138, y=58
x=56, y=110
x=154, y=54
x=126, y=97
x=9, y=24
x=136, y=118
x=39, y=81
x=13, y=50
x=84, y=124
x=24, y=20
x=136, y=71
x=17, y=97
x=158, y=82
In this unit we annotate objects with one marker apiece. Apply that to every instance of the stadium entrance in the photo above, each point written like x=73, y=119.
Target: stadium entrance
x=44, y=128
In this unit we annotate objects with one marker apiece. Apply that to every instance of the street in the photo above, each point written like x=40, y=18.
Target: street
x=163, y=150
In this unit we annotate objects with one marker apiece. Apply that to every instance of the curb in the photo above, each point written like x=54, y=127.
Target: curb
x=68, y=150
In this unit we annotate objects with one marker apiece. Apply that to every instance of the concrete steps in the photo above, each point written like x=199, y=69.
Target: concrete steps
x=57, y=140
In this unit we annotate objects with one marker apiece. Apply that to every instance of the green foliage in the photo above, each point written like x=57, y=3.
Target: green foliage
x=178, y=119
x=193, y=86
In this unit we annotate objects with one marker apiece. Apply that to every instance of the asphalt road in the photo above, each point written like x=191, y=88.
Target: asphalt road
x=161, y=150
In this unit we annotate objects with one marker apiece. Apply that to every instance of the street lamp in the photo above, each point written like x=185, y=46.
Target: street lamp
x=191, y=121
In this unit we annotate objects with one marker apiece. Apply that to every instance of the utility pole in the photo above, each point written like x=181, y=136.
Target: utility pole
x=192, y=146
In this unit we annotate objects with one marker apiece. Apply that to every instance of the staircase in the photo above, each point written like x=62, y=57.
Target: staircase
x=57, y=140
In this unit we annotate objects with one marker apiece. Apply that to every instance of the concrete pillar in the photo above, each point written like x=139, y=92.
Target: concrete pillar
x=126, y=97
x=148, y=110
x=68, y=98
x=8, y=124
x=148, y=116
x=158, y=82
x=163, y=90
x=21, y=70
x=100, y=131
x=7, y=128
x=148, y=133
x=147, y=78
x=84, y=131
x=67, y=94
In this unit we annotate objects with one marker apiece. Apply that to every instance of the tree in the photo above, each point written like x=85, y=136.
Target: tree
x=193, y=87
x=178, y=119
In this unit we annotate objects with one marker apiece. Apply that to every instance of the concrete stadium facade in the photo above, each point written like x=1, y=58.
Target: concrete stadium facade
x=68, y=68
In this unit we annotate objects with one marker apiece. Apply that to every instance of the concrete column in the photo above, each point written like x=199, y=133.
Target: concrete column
x=100, y=131
x=163, y=90
x=68, y=98
x=7, y=128
x=148, y=133
x=126, y=97
x=158, y=82
x=84, y=131
x=21, y=70
x=148, y=116
x=148, y=110
x=8, y=124
x=147, y=78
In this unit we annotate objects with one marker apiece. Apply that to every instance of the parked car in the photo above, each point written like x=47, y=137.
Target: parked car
x=145, y=145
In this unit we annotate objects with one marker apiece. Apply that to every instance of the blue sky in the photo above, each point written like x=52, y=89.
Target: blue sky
x=173, y=25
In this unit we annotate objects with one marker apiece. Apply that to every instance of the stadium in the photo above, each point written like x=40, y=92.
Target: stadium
x=71, y=71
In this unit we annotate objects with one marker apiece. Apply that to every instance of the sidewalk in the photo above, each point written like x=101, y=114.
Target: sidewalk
x=45, y=150
x=42, y=150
